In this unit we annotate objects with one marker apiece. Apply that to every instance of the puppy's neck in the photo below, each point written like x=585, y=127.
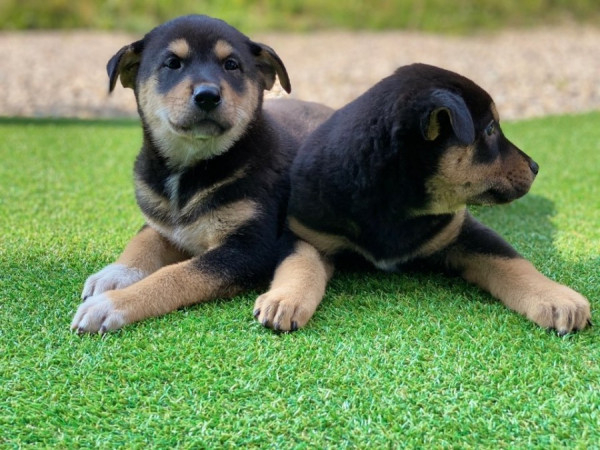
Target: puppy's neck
x=181, y=153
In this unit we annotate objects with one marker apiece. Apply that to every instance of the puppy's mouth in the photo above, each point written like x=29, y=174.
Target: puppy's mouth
x=498, y=196
x=204, y=128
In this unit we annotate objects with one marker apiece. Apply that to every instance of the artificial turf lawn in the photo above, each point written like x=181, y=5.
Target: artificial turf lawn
x=414, y=360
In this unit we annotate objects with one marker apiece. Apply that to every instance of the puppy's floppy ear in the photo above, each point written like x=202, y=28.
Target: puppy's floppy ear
x=453, y=105
x=125, y=63
x=270, y=64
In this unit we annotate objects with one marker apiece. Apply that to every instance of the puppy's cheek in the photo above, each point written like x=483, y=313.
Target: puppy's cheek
x=151, y=107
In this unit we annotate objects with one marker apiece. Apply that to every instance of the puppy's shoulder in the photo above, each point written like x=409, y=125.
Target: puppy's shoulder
x=294, y=119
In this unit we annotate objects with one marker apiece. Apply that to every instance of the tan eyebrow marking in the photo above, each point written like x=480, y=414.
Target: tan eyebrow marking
x=223, y=49
x=180, y=48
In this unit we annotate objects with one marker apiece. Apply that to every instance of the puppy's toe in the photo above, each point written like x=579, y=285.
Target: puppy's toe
x=562, y=309
x=113, y=276
x=264, y=310
x=97, y=315
x=283, y=310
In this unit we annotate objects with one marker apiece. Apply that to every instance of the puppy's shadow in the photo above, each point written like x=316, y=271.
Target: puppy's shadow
x=526, y=224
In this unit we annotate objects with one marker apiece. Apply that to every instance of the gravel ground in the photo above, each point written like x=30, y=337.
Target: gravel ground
x=529, y=73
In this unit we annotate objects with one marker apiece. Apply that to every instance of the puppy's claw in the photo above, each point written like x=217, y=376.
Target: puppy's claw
x=294, y=326
x=589, y=322
x=256, y=313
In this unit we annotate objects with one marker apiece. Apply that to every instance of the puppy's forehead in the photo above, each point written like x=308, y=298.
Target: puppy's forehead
x=200, y=33
x=182, y=48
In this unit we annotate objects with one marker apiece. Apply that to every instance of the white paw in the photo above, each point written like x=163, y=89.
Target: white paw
x=98, y=315
x=113, y=276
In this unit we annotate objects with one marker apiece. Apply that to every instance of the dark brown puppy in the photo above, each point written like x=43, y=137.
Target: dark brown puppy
x=388, y=177
x=211, y=178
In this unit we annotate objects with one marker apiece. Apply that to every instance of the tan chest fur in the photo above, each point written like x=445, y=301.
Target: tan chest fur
x=207, y=231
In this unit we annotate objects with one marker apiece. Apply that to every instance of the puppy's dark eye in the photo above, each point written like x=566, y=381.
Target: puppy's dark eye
x=231, y=64
x=173, y=63
x=491, y=129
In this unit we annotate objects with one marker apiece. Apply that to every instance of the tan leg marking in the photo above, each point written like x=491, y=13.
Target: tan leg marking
x=147, y=252
x=166, y=290
x=518, y=284
x=296, y=290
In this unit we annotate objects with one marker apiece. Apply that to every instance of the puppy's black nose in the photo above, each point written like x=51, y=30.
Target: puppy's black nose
x=534, y=167
x=207, y=97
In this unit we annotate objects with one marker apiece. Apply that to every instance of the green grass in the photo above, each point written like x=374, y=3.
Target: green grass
x=417, y=361
x=250, y=15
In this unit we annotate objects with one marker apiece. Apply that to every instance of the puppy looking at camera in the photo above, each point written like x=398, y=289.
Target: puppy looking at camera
x=211, y=178
x=387, y=179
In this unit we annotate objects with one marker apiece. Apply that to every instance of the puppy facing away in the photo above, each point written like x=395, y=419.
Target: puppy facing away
x=212, y=176
x=388, y=178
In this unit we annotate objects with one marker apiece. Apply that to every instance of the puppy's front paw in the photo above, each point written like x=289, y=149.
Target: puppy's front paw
x=560, y=308
x=113, y=276
x=98, y=314
x=283, y=309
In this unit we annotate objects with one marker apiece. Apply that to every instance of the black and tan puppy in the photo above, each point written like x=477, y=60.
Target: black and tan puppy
x=388, y=177
x=211, y=178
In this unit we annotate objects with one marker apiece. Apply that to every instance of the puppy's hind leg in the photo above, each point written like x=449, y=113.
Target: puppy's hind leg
x=296, y=290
